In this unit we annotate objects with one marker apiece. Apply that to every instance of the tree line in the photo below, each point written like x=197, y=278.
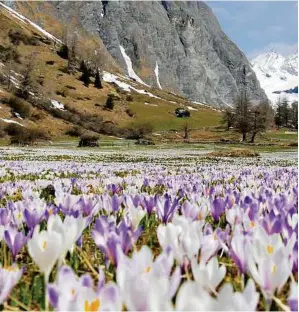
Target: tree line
x=249, y=120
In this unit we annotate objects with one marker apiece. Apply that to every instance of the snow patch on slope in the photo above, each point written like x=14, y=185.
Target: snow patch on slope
x=277, y=73
x=57, y=105
x=11, y=121
x=23, y=19
x=157, y=75
x=108, y=77
x=130, y=69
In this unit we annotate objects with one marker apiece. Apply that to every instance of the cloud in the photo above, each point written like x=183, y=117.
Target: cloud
x=280, y=47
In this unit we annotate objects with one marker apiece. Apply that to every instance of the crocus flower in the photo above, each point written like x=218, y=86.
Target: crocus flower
x=240, y=251
x=14, y=239
x=9, y=277
x=71, y=293
x=247, y=300
x=166, y=208
x=146, y=284
x=209, y=275
x=217, y=208
x=183, y=236
x=108, y=236
x=70, y=228
x=45, y=248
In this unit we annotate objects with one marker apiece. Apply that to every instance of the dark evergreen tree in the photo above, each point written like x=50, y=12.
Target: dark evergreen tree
x=279, y=114
x=294, y=113
x=243, y=117
x=85, y=77
x=285, y=112
x=110, y=102
x=97, y=80
x=63, y=51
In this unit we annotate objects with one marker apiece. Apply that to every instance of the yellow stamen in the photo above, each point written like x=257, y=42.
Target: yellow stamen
x=44, y=246
x=252, y=224
x=200, y=217
x=147, y=269
x=19, y=216
x=270, y=249
x=93, y=306
x=73, y=291
x=11, y=268
x=214, y=236
x=50, y=211
x=274, y=268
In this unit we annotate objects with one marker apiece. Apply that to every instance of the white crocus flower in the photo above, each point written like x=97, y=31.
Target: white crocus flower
x=209, y=275
x=192, y=297
x=271, y=274
x=293, y=220
x=146, y=284
x=229, y=300
x=45, y=247
x=183, y=236
x=134, y=214
x=9, y=277
x=70, y=229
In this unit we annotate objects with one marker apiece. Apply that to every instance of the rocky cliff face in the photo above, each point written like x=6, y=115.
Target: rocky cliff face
x=173, y=45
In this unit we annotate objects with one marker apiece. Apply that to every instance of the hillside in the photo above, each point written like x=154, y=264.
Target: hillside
x=177, y=46
x=59, y=100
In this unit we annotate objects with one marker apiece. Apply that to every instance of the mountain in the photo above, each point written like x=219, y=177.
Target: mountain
x=60, y=104
x=177, y=46
x=278, y=75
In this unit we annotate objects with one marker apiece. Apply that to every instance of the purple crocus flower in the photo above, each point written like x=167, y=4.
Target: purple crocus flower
x=272, y=223
x=166, y=208
x=15, y=240
x=149, y=204
x=218, y=208
x=32, y=218
x=108, y=236
x=5, y=216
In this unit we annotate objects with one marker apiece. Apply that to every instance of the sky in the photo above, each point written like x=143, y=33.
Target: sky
x=259, y=26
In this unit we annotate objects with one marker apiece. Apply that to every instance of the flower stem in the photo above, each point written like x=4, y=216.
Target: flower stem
x=46, y=279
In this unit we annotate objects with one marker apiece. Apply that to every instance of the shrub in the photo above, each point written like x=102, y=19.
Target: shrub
x=110, y=102
x=38, y=115
x=20, y=106
x=13, y=129
x=63, y=51
x=9, y=53
x=139, y=131
x=16, y=37
x=29, y=136
x=234, y=153
x=76, y=131
x=129, y=98
x=89, y=140
x=129, y=112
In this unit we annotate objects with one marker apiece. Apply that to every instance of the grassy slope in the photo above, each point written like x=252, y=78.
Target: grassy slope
x=91, y=100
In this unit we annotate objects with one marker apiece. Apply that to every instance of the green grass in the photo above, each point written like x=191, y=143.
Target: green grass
x=281, y=135
x=162, y=117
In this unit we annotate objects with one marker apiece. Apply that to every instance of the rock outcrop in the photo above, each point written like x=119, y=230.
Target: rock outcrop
x=173, y=45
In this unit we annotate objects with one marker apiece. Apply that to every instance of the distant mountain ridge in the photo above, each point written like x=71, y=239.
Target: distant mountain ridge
x=278, y=75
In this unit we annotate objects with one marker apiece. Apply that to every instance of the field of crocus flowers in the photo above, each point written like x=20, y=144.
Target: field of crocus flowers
x=147, y=230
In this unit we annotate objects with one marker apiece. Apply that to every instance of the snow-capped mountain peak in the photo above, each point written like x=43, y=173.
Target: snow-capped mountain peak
x=278, y=75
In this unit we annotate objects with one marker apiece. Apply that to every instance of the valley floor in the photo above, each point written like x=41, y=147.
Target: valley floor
x=153, y=228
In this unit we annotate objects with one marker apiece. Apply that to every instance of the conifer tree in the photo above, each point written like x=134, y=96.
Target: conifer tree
x=97, y=80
